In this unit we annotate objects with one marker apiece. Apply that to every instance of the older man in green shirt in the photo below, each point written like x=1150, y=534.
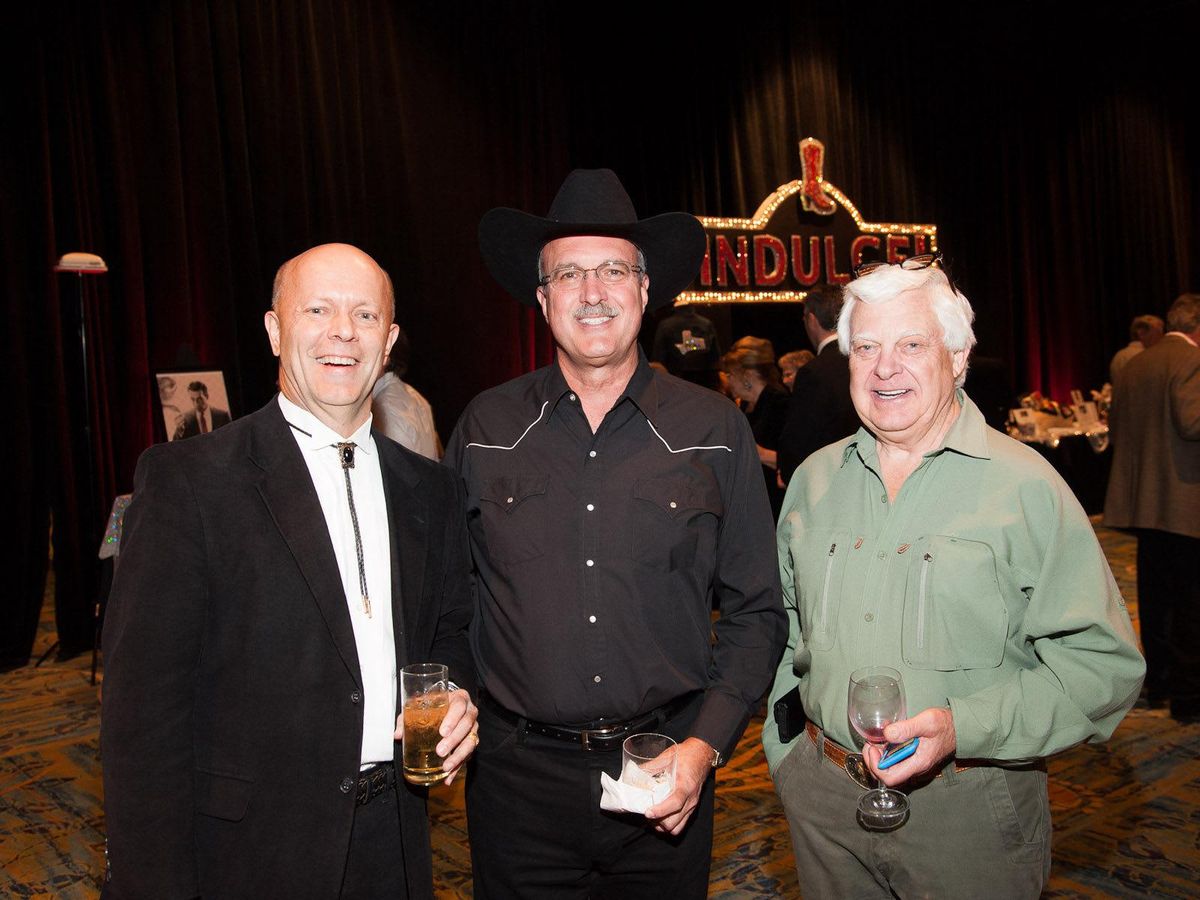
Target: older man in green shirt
x=934, y=545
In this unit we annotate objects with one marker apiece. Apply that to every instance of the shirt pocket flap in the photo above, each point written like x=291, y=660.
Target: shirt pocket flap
x=677, y=497
x=222, y=796
x=508, y=492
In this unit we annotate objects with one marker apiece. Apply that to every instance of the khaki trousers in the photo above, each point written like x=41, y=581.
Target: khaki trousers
x=984, y=832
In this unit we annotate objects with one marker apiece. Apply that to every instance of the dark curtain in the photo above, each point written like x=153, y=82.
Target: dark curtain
x=197, y=145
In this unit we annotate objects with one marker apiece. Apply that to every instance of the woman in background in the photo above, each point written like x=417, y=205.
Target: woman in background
x=755, y=383
x=791, y=363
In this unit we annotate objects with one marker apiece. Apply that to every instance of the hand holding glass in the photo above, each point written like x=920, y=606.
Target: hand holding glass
x=876, y=700
x=425, y=696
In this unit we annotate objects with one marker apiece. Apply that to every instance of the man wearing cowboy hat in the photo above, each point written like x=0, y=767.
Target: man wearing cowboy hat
x=608, y=506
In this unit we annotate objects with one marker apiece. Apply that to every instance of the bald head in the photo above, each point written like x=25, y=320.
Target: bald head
x=330, y=324
x=335, y=254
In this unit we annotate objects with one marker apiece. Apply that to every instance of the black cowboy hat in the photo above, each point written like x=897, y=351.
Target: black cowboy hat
x=592, y=201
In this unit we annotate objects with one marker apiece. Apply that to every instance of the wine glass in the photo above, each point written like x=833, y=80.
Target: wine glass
x=876, y=700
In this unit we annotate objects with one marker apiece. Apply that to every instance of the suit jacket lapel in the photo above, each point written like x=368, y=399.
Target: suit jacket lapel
x=287, y=489
x=408, y=518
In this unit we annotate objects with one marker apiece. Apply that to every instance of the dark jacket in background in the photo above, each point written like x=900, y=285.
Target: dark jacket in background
x=820, y=411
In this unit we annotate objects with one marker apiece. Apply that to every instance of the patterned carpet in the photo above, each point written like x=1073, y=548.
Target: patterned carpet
x=1126, y=814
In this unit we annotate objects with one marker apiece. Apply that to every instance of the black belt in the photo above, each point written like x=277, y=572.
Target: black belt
x=374, y=781
x=603, y=734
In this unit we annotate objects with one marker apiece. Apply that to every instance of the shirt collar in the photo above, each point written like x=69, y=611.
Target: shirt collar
x=312, y=434
x=967, y=435
x=1182, y=335
x=641, y=389
x=826, y=342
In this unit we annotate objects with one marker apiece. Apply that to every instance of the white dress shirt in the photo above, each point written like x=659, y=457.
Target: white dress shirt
x=373, y=635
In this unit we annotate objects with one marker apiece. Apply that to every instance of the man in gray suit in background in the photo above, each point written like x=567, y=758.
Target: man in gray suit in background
x=1154, y=490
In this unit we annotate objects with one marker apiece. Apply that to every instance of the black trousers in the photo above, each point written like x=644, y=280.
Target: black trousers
x=1169, y=610
x=537, y=830
x=375, y=863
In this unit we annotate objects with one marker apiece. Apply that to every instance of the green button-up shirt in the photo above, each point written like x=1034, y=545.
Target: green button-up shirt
x=983, y=584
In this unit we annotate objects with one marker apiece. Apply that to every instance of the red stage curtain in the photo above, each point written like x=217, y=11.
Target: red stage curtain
x=197, y=145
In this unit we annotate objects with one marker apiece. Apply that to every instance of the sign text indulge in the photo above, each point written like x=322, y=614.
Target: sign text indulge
x=807, y=232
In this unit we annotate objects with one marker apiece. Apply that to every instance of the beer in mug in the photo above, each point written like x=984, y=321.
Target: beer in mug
x=424, y=691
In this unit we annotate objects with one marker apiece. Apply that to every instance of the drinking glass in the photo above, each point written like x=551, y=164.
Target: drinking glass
x=425, y=697
x=648, y=761
x=876, y=700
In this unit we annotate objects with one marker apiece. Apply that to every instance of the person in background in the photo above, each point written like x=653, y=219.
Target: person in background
x=1154, y=489
x=792, y=362
x=1144, y=333
x=820, y=411
x=754, y=382
x=398, y=408
x=686, y=343
x=762, y=346
x=938, y=547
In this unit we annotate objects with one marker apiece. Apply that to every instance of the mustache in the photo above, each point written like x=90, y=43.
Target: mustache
x=603, y=308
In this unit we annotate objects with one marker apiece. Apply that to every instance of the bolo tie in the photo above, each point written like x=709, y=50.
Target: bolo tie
x=346, y=453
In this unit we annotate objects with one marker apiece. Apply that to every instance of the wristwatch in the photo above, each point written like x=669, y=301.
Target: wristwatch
x=717, y=759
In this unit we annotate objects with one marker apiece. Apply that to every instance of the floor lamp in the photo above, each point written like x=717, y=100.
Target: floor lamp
x=81, y=264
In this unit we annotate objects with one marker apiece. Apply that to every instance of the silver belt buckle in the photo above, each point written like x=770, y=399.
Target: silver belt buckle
x=856, y=768
x=586, y=735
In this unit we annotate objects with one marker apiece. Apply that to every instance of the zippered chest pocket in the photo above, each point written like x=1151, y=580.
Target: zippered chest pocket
x=819, y=564
x=954, y=613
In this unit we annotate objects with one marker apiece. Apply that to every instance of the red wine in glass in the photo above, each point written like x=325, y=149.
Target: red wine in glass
x=875, y=700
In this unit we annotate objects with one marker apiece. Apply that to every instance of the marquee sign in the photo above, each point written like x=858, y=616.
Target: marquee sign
x=805, y=233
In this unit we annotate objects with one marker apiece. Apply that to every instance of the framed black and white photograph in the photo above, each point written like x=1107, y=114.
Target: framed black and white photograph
x=1087, y=414
x=193, y=401
x=1026, y=423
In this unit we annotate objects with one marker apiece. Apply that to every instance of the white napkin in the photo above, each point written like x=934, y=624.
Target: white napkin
x=622, y=796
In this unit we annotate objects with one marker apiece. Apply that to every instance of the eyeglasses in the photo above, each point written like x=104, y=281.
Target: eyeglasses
x=924, y=261
x=571, y=278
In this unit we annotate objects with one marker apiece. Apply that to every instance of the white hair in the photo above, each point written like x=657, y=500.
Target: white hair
x=888, y=283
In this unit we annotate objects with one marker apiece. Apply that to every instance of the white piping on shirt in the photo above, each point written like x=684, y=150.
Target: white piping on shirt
x=521, y=438
x=648, y=422
x=685, y=449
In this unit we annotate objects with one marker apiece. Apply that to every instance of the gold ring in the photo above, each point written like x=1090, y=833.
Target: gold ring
x=475, y=735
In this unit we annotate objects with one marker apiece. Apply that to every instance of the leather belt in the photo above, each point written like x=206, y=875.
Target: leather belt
x=852, y=763
x=601, y=735
x=374, y=781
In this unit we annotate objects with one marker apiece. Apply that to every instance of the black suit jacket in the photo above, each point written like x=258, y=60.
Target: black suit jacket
x=189, y=426
x=232, y=710
x=820, y=411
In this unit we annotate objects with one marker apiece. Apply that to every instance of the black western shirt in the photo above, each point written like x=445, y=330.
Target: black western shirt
x=598, y=556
